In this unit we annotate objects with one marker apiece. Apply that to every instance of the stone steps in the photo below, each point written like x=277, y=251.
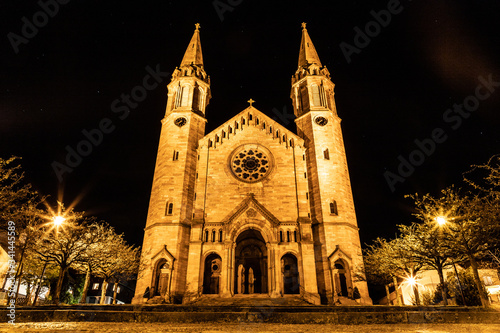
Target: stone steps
x=249, y=300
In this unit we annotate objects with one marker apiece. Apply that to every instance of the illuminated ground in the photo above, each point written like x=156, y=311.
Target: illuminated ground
x=309, y=328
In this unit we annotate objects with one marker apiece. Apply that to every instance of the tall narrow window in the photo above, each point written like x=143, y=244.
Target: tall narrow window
x=315, y=94
x=326, y=154
x=185, y=96
x=295, y=235
x=220, y=235
x=175, y=156
x=197, y=94
x=206, y=235
x=249, y=116
x=170, y=208
x=333, y=208
x=307, y=195
x=213, y=235
x=281, y=235
x=288, y=235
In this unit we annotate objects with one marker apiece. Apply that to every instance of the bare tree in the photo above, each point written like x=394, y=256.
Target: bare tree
x=471, y=226
x=425, y=243
x=66, y=246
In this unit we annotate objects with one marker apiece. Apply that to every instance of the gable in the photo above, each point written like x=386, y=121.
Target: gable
x=242, y=121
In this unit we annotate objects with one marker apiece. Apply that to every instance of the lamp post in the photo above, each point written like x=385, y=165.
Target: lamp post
x=57, y=221
x=441, y=221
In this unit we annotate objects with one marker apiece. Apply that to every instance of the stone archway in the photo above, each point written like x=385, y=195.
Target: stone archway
x=250, y=263
x=161, y=281
x=211, y=275
x=290, y=271
x=342, y=282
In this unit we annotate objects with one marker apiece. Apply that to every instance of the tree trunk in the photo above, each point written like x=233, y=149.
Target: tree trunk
x=115, y=291
x=443, y=283
x=484, y=298
x=396, y=286
x=83, y=300
x=417, y=296
x=59, y=284
x=103, y=291
x=389, y=302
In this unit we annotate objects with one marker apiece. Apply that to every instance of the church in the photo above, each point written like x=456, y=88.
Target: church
x=251, y=207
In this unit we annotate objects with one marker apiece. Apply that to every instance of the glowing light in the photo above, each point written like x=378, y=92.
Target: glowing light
x=58, y=220
x=441, y=220
x=411, y=281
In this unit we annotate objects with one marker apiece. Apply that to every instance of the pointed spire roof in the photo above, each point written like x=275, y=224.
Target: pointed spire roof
x=307, y=54
x=193, y=53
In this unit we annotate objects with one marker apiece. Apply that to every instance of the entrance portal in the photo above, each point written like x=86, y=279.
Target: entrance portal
x=290, y=269
x=211, y=277
x=251, y=263
x=340, y=279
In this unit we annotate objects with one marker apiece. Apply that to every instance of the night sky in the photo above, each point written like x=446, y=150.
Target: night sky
x=393, y=89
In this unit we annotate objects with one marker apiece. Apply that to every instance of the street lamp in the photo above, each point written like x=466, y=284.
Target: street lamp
x=441, y=221
x=58, y=220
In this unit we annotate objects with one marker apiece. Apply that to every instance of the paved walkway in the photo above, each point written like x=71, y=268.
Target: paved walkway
x=261, y=328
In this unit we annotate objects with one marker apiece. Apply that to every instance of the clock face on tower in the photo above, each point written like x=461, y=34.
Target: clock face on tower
x=250, y=163
x=181, y=121
x=321, y=121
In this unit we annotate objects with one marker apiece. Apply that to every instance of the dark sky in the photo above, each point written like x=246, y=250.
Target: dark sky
x=394, y=89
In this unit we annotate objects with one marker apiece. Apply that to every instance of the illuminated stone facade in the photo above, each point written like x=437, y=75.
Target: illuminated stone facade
x=251, y=208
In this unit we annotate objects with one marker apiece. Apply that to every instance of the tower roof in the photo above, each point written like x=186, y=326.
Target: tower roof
x=193, y=53
x=307, y=54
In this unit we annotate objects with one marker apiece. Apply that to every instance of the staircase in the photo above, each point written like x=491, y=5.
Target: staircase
x=250, y=300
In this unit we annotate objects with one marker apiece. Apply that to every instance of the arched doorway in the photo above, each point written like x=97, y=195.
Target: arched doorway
x=161, y=280
x=251, y=263
x=341, y=279
x=211, y=275
x=290, y=270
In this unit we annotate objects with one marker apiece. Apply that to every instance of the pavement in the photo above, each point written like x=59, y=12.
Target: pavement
x=90, y=327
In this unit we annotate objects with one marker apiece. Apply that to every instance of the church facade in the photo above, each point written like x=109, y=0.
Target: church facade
x=251, y=207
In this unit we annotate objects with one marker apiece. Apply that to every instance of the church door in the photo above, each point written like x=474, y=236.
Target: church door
x=290, y=270
x=211, y=276
x=251, y=263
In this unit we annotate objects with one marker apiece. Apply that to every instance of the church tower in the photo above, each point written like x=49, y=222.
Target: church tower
x=166, y=239
x=335, y=231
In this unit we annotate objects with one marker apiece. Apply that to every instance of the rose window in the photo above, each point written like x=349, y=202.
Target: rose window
x=250, y=163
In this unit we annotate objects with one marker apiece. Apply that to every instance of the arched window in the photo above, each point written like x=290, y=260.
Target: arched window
x=197, y=95
x=206, y=235
x=333, y=208
x=213, y=235
x=288, y=235
x=210, y=144
x=169, y=208
x=185, y=96
x=220, y=235
x=281, y=235
x=315, y=95
x=295, y=235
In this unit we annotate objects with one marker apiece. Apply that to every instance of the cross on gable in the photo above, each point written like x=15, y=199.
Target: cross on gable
x=251, y=101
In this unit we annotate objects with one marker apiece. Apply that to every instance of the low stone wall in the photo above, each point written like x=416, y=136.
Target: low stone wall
x=346, y=315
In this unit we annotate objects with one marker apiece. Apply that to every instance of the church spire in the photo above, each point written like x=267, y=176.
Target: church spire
x=307, y=54
x=193, y=53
